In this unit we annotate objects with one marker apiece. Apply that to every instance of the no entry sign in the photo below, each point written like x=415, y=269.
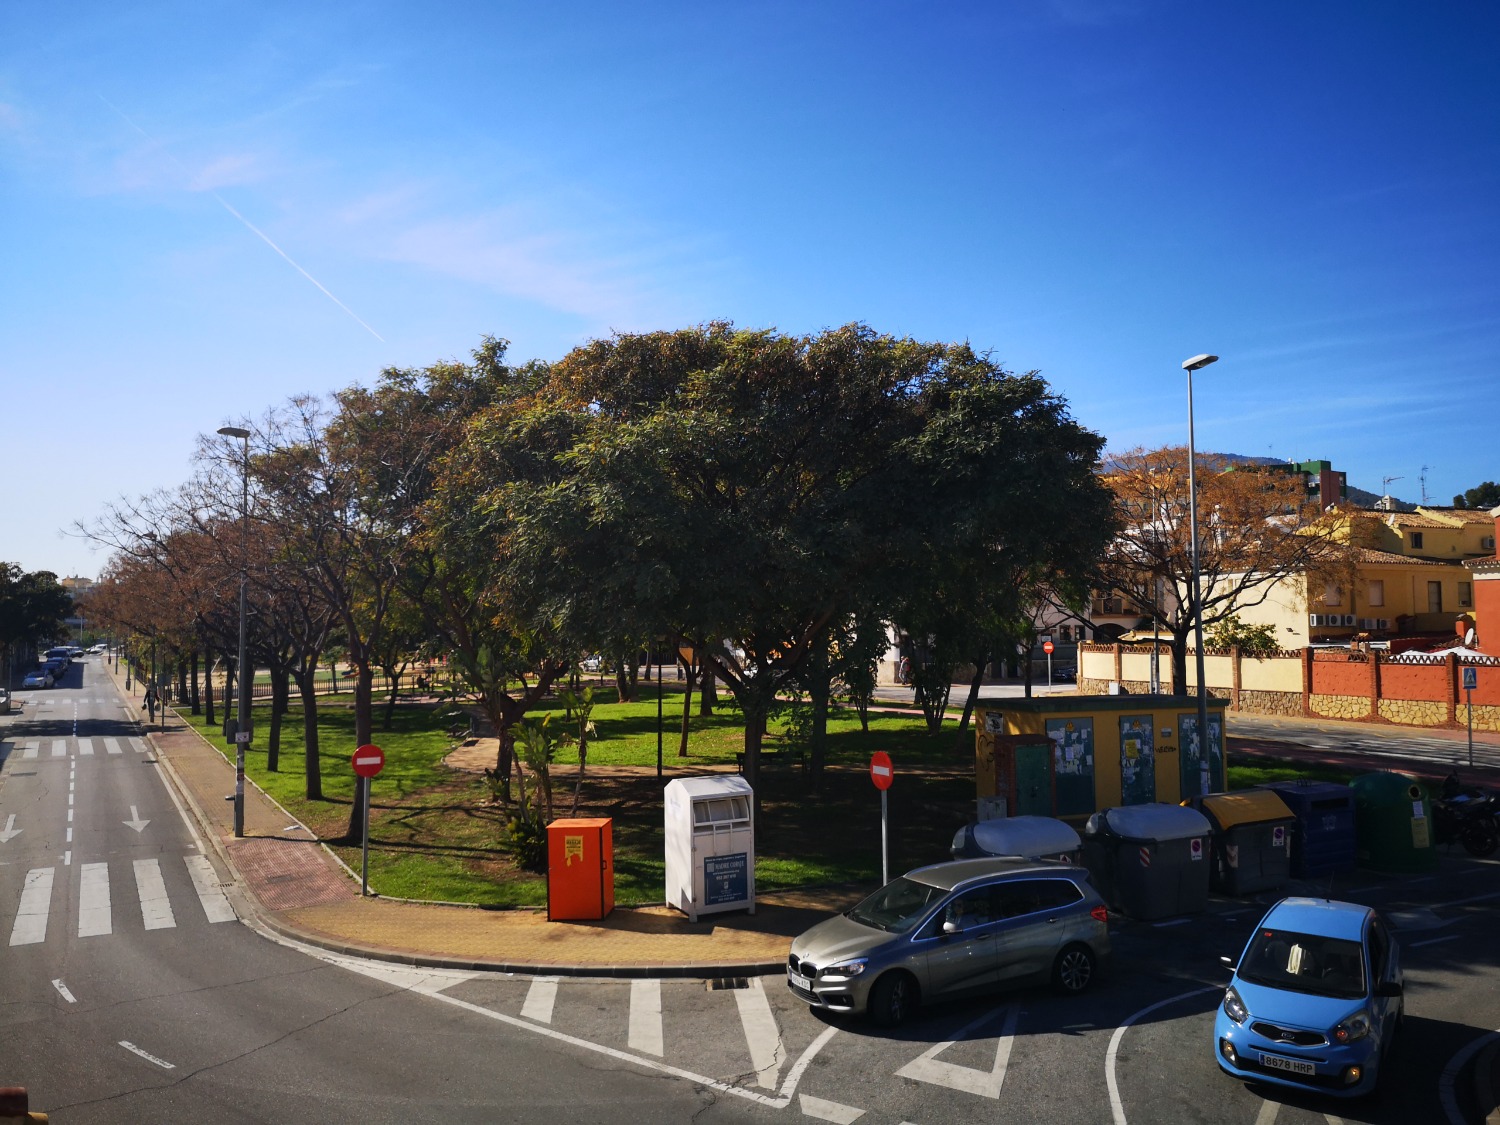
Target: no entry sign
x=369, y=760
x=1047, y=647
x=881, y=772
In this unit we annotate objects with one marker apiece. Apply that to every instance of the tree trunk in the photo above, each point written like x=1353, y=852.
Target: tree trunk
x=687, y=709
x=182, y=687
x=623, y=683
x=708, y=694
x=394, y=679
x=364, y=734
x=1179, y=662
x=969, y=703
x=193, y=697
x=280, y=704
x=818, y=690
x=208, y=690
x=307, y=687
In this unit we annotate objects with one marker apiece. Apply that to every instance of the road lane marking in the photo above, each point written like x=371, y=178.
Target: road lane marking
x=86, y=746
x=111, y=745
x=156, y=910
x=820, y=1110
x=63, y=991
x=762, y=1035
x=94, y=919
x=59, y=747
x=1433, y=941
x=147, y=1055
x=1267, y=1114
x=645, y=1016
x=137, y=745
x=36, y=900
x=1116, y=1107
x=987, y=1084
x=29, y=750
x=206, y=883
x=540, y=998
x=10, y=831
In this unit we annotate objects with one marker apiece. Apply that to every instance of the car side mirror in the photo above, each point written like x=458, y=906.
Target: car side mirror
x=950, y=928
x=1388, y=988
x=1229, y=963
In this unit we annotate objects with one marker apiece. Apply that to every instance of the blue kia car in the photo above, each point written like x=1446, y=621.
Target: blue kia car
x=1315, y=1000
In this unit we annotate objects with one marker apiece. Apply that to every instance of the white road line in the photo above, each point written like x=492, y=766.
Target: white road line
x=1116, y=1107
x=645, y=1017
x=59, y=748
x=1267, y=1114
x=111, y=745
x=68, y=858
x=206, y=883
x=156, y=910
x=36, y=900
x=94, y=919
x=1450, y=1075
x=762, y=1035
x=147, y=1055
x=540, y=998
x=1174, y=921
x=820, y=1110
x=986, y=1083
x=29, y=750
x=1433, y=941
x=137, y=745
x=63, y=991
x=86, y=746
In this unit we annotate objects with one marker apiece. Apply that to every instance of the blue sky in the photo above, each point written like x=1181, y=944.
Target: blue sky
x=1089, y=188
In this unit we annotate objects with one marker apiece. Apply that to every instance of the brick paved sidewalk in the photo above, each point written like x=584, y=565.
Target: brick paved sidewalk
x=289, y=882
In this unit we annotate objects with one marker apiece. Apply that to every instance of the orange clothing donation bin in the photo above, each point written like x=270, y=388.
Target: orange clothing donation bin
x=580, y=869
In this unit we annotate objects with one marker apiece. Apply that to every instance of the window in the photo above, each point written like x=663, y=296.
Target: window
x=1376, y=593
x=1487, y=542
x=1465, y=594
x=1416, y=540
x=1434, y=597
x=1332, y=595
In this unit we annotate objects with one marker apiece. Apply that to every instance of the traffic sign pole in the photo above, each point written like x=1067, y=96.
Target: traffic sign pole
x=1471, y=681
x=882, y=774
x=1047, y=647
x=885, y=851
x=368, y=761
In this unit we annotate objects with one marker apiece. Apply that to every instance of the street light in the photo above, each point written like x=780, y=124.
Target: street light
x=242, y=723
x=1197, y=363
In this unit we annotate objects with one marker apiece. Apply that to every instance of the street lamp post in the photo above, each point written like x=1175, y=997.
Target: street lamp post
x=1197, y=363
x=242, y=723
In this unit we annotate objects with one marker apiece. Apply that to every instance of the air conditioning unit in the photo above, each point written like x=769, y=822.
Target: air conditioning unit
x=1383, y=623
x=1348, y=620
x=1315, y=619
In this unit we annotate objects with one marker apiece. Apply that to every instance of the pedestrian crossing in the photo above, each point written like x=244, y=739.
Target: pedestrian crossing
x=98, y=914
x=58, y=747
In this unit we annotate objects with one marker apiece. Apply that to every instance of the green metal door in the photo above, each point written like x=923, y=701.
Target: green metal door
x=1034, y=780
x=1137, y=760
x=1073, y=764
x=1200, y=776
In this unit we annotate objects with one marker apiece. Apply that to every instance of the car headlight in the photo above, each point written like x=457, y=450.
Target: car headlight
x=1354, y=1027
x=845, y=970
x=1234, y=1007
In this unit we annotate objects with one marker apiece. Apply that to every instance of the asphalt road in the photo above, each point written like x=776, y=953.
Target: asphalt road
x=125, y=1000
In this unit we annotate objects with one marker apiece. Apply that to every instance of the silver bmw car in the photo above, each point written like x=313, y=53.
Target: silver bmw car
x=950, y=930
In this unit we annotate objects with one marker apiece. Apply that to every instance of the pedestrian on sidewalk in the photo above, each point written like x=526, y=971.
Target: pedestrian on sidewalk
x=149, y=706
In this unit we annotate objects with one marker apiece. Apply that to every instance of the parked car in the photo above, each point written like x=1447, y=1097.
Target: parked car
x=58, y=668
x=59, y=653
x=950, y=930
x=38, y=677
x=1315, y=999
x=591, y=663
x=4, y=701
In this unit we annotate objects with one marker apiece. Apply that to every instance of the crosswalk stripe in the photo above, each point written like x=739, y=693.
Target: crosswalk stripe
x=36, y=900
x=137, y=745
x=94, y=917
x=111, y=745
x=29, y=750
x=85, y=746
x=540, y=998
x=59, y=748
x=215, y=905
x=156, y=910
x=762, y=1035
x=645, y=1016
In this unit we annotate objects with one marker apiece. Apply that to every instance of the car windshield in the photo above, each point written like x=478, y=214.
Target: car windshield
x=1321, y=966
x=897, y=906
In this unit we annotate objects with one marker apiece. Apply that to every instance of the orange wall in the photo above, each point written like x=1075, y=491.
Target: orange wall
x=1339, y=677
x=1415, y=681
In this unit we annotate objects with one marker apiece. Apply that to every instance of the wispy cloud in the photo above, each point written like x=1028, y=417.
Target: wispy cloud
x=233, y=170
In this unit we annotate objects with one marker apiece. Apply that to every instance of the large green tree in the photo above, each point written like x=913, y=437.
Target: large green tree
x=33, y=606
x=1482, y=496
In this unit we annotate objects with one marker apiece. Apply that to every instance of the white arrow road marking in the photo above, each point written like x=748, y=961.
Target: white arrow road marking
x=206, y=883
x=156, y=910
x=762, y=1035
x=11, y=831
x=1116, y=1106
x=94, y=918
x=147, y=1055
x=645, y=1016
x=63, y=991
x=987, y=1084
x=539, y=999
x=828, y=1111
x=1450, y=1074
x=36, y=900
x=135, y=821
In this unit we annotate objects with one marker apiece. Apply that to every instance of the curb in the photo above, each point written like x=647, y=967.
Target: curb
x=1486, y=1070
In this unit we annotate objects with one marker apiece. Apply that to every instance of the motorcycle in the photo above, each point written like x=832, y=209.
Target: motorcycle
x=1468, y=814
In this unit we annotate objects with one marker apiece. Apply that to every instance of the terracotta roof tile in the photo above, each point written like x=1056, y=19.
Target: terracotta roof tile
x=1414, y=519
x=1460, y=515
x=1390, y=558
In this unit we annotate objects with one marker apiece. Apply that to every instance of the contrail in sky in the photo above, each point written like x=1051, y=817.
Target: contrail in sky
x=255, y=230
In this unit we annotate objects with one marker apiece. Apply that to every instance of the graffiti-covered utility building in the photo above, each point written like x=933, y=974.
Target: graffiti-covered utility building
x=1068, y=756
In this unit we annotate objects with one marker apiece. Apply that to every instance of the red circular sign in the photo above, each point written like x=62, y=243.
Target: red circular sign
x=1047, y=647
x=369, y=760
x=881, y=771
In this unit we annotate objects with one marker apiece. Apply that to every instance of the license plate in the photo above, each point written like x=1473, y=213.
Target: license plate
x=1293, y=1066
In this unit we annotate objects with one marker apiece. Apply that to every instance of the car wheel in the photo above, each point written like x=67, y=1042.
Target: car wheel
x=893, y=999
x=1480, y=840
x=1073, y=971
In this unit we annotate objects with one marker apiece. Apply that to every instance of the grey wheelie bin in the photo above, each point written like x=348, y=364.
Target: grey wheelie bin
x=1252, y=840
x=1149, y=861
x=1323, y=841
x=1029, y=837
